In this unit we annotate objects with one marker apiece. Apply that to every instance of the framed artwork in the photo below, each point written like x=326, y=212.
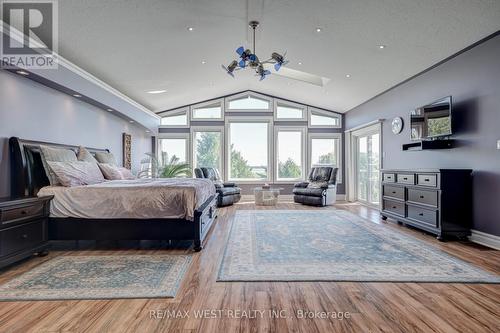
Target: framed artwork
x=127, y=151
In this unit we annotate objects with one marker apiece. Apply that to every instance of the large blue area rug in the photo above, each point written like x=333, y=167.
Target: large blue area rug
x=99, y=277
x=333, y=245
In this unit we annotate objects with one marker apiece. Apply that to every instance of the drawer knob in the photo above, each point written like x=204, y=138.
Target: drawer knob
x=421, y=214
x=394, y=207
x=421, y=197
x=393, y=192
x=427, y=179
x=23, y=212
x=405, y=178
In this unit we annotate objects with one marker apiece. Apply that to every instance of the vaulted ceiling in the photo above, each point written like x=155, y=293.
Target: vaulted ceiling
x=142, y=45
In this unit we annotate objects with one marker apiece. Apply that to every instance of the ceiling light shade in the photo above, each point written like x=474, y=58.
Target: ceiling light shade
x=131, y=121
x=110, y=110
x=23, y=73
x=154, y=92
x=77, y=95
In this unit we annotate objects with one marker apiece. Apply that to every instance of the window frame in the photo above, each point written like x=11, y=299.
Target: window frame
x=286, y=103
x=305, y=170
x=205, y=104
x=270, y=147
x=242, y=95
x=338, y=136
x=321, y=112
x=174, y=136
x=176, y=112
x=219, y=129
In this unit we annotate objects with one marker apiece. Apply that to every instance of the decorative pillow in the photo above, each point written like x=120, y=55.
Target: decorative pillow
x=317, y=184
x=110, y=171
x=76, y=173
x=55, y=155
x=85, y=155
x=126, y=173
x=107, y=158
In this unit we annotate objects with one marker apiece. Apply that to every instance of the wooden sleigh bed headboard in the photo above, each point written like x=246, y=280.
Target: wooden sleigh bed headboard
x=26, y=169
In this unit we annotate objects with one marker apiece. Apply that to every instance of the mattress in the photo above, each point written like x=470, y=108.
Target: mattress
x=134, y=199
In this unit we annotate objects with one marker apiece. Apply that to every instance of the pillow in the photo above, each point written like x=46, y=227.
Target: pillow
x=55, y=155
x=85, y=155
x=319, y=184
x=126, y=173
x=110, y=171
x=107, y=158
x=76, y=173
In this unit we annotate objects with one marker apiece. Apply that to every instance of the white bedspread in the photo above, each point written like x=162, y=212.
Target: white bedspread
x=136, y=199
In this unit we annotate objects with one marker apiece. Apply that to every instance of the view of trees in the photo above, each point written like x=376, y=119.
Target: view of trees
x=208, y=150
x=289, y=169
x=327, y=159
x=239, y=165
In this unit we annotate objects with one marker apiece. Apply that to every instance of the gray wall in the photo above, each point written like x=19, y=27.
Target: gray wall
x=473, y=80
x=30, y=110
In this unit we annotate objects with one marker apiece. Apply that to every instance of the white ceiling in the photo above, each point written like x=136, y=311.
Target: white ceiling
x=141, y=45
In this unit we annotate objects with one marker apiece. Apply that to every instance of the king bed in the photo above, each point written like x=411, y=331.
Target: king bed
x=141, y=209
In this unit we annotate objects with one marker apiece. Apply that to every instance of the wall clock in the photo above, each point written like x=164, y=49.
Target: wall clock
x=397, y=125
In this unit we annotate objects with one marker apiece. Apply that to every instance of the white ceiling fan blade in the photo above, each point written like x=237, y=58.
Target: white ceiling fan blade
x=299, y=75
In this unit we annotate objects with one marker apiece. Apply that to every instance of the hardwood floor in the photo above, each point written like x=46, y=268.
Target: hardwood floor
x=372, y=307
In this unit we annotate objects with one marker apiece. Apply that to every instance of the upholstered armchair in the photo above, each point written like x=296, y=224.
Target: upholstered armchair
x=229, y=193
x=319, y=190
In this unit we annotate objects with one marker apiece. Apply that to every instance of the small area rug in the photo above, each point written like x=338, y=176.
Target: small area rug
x=99, y=277
x=334, y=245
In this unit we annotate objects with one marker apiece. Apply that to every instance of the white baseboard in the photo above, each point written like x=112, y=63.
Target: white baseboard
x=282, y=197
x=485, y=239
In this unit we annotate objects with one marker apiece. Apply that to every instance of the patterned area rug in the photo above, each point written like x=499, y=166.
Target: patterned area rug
x=99, y=277
x=333, y=245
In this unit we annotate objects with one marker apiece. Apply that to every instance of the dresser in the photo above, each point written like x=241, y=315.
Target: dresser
x=23, y=228
x=438, y=201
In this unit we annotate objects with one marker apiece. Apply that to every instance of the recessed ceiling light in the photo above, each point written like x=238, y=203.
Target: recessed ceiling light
x=381, y=46
x=148, y=131
x=23, y=73
x=110, y=110
x=348, y=75
x=318, y=29
x=300, y=63
x=131, y=121
x=156, y=91
x=203, y=62
x=190, y=28
x=77, y=95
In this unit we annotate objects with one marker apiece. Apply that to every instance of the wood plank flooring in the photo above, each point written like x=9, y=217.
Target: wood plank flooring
x=372, y=307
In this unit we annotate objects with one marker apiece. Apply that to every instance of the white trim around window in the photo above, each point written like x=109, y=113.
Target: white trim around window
x=338, y=150
x=176, y=112
x=202, y=105
x=323, y=113
x=284, y=103
x=185, y=136
x=229, y=99
x=214, y=129
x=303, y=145
x=270, y=147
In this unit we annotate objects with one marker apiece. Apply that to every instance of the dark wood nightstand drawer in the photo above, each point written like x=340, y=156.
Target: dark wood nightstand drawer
x=426, y=216
x=389, y=177
x=21, y=213
x=394, y=207
x=22, y=237
x=397, y=192
x=424, y=197
x=405, y=178
x=427, y=180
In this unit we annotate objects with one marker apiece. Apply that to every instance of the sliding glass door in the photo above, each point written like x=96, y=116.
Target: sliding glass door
x=368, y=167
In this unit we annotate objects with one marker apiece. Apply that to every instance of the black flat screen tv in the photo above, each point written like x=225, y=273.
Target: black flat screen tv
x=431, y=121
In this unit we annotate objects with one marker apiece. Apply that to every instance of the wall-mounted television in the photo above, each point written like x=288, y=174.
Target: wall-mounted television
x=431, y=121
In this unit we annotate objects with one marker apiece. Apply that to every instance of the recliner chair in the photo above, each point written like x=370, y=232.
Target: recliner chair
x=319, y=190
x=229, y=193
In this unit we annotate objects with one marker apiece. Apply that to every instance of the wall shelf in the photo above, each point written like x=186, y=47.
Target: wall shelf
x=432, y=144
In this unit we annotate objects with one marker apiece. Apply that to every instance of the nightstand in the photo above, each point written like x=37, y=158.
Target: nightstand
x=23, y=228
